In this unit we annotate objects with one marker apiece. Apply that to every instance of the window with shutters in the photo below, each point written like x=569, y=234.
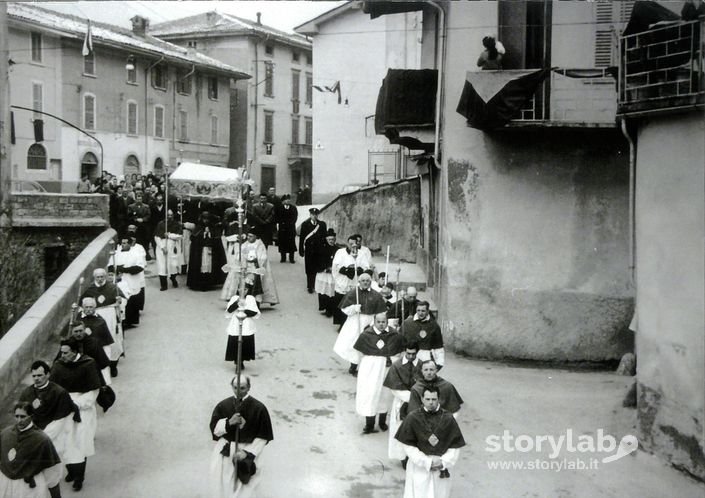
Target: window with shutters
x=269, y=49
x=159, y=121
x=36, y=157
x=295, y=130
x=183, y=125
x=610, y=19
x=132, y=74
x=295, y=56
x=309, y=59
x=36, y=43
x=295, y=90
x=89, y=111
x=268, y=127
x=309, y=131
x=37, y=98
x=309, y=88
x=213, y=87
x=214, y=129
x=89, y=64
x=131, y=117
x=269, y=79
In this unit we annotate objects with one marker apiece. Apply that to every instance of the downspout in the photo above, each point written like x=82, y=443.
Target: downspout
x=632, y=200
x=146, y=113
x=256, y=109
x=440, y=66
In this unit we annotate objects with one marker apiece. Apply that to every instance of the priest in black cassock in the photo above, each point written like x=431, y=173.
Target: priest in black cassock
x=311, y=236
x=325, y=282
x=432, y=441
x=246, y=420
x=207, y=255
x=449, y=397
x=286, y=215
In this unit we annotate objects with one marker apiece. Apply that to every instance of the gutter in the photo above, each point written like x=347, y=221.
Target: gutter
x=632, y=199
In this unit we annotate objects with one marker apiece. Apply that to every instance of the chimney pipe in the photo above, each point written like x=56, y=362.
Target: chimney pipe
x=259, y=18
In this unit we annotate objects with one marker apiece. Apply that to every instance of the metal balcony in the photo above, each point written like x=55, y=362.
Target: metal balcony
x=661, y=70
x=300, y=151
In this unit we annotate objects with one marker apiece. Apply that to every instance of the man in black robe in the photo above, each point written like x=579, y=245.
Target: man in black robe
x=207, y=255
x=286, y=216
x=242, y=428
x=405, y=305
x=105, y=293
x=312, y=235
x=79, y=375
x=90, y=346
x=25, y=454
x=97, y=328
x=50, y=401
x=138, y=214
x=430, y=432
x=449, y=397
x=157, y=213
x=325, y=282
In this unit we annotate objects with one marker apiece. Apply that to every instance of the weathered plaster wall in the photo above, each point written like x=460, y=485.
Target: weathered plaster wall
x=384, y=215
x=670, y=339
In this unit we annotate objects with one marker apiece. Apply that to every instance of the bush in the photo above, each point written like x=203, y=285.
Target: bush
x=20, y=278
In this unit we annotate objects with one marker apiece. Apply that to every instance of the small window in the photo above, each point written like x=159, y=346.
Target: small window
x=309, y=88
x=89, y=112
x=269, y=49
x=132, y=118
x=132, y=73
x=183, y=82
x=213, y=87
x=295, y=130
x=295, y=56
x=89, y=64
x=159, y=76
x=309, y=131
x=269, y=79
x=214, y=129
x=192, y=44
x=36, y=157
x=36, y=42
x=158, y=166
x=295, y=85
x=183, y=125
x=159, y=122
x=268, y=127
x=37, y=98
x=309, y=59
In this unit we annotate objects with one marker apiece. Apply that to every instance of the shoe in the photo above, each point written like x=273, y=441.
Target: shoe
x=113, y=371
x=174, y=283
x=162, y=283
x=69, y=478
x=404, y=462
x=353, y=369
x=282, y=260
x=77, y=485
x=310, y=291
x=369, y=429
x=383, y=426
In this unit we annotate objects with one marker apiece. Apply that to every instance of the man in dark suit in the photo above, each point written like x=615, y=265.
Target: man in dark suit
x=262, y=219
x=311, y=237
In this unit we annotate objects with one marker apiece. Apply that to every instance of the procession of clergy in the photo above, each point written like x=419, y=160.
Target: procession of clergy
x=391, y=340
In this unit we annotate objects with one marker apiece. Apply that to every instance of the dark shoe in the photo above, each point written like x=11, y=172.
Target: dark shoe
x=174, y=283
x=282, y=260
x=113, y=369
x=369, y=430
x=369, y=426
x=383, y=422
x=162, y=283
x=77, y=485
x=69, y=478
x=310, y=291
x=353, y=371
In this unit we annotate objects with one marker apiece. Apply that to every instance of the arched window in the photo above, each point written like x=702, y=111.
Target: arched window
x=158, y=166
x=89, y=165
x=132, y=166
x=36, y=157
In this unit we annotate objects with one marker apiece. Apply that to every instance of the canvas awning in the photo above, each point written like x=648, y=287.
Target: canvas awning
x=377, y=8
x=198, y=180
x=407, y=98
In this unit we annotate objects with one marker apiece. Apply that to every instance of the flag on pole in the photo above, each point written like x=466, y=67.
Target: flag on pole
x=332, y=89
x=88, y=41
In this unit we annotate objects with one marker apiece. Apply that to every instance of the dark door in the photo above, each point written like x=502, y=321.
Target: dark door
x=269, y=178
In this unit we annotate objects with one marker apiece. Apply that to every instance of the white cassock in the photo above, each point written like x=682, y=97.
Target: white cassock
x=186, y=240
x=131, y=283
x=169, y=263
x=372, y=397
x=82, y=444
x=343, y=259
x=17, y=488
x=421, y=482
x=269, y=288
x=350, y=331
x=111, y=314
x=248, y=324
x=222, y=470
x=376, y=287
x=60, y=432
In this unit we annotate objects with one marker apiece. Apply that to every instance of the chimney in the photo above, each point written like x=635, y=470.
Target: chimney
x=140, y=25
x=259, y=18
x=211, y=17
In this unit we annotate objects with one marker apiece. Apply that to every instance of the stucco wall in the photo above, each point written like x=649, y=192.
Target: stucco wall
x=384, y=215
x=670, y=340
x=26, y=339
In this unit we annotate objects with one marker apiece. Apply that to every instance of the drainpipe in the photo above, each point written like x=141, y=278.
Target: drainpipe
x=146, y=113
x=632, y=200
x=440, y=66
x=256, y=107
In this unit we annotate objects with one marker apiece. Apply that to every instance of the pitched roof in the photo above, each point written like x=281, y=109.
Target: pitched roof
x=311, y=27
x=108, y=35
x=218, y=23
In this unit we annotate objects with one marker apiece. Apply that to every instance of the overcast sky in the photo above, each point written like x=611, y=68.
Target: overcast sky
x=283, y=15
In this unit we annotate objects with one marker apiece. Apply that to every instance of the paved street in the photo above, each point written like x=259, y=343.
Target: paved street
x=155, y=441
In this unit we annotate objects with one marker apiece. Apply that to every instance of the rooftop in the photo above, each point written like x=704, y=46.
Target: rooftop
x=218, y=23
x=70, y=26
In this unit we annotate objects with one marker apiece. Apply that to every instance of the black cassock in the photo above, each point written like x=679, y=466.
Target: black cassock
x=286, y=217
x=55, y=403
x=206, y=236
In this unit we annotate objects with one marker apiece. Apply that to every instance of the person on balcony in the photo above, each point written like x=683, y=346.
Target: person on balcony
x=491, y=57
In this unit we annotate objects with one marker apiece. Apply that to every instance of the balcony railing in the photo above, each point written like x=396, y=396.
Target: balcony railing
x=662, y=69
x=300, y=151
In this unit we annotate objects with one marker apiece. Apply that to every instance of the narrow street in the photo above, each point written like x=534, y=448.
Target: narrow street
x=155, y=441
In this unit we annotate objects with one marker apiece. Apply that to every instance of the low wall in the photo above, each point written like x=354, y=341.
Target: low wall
x=39, y=209
x=25, y=340
x=386, y=214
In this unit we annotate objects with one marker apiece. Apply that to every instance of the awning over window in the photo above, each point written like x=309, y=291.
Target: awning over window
x=645, y=15
x=490, y=99
x=377, y=8
x=406, y=99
